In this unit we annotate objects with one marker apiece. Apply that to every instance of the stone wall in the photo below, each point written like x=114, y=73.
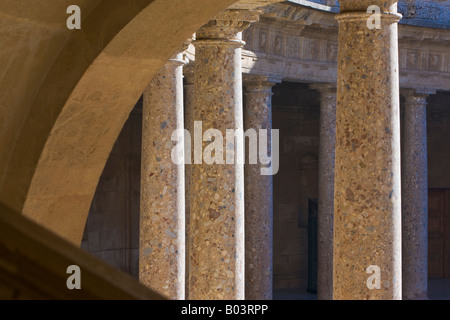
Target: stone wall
x=438, y=127
x=438, y=114
x=112, y=228
x=296, y=115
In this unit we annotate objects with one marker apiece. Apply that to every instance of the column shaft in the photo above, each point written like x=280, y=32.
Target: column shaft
x=217, y=189
x=415, y=197
x=326, y=190
x=189, y=126
x=162, y=223
x=258, y=195
x=367, y=206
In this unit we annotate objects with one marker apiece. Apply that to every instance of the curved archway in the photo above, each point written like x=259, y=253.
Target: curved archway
x=68, y=123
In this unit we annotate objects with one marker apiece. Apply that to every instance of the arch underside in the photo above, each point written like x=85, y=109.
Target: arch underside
x=67, y=93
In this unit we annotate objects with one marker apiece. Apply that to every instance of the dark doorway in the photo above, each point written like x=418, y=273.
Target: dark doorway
x=438, y=233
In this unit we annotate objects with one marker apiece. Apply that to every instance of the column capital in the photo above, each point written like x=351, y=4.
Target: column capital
x=416, y=96
x=228, y=25
x=363, y=16
x=257, y=83
x=179, y=56
x=417, y=92
x=363, y=10
x=177, y=60
x=328, y=91
x=324, y=87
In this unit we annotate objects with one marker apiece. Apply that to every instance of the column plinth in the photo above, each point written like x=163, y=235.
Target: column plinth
x=217, y=190
x=162, y=221
x=326, y=189
x=258, y=194
x=367, y=202
x=415, y=196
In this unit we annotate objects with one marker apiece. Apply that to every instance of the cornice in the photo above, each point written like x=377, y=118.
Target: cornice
x=299, y=43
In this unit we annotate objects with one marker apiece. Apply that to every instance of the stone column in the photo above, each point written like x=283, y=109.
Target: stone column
x=415, y=196
x=367, y=204
x=189, y=126
x=162, y=223
x=258, y=194
x=217, y=190
x=326, y=189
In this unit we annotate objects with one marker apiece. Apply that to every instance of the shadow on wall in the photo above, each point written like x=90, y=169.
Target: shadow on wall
x=66, y=117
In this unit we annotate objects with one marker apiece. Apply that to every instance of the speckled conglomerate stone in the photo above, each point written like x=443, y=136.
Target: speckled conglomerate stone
x=258, y=195
x=367, y=206
x=326, y=190
x=162, y=218
x=189, y=126
x=415, y=197
x=217, y=256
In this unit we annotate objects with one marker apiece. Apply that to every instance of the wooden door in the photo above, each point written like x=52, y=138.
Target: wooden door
x=438, y=233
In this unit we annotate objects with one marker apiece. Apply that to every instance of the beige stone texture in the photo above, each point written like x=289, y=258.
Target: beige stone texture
x=217, y=190
x=367, y=204
x=65, y=96
x=162, y=223
x=189, y=126
x=258, y=193
x=299, y=43
x=415, y=195
x=326, y=190
x=73, y=91
x=34, y=263
x=112, y=227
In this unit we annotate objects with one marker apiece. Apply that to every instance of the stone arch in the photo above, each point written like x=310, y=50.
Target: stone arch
x=80, y=86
